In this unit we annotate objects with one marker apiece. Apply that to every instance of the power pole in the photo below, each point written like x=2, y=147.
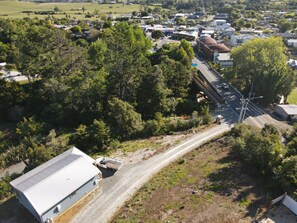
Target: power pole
x=244, y=103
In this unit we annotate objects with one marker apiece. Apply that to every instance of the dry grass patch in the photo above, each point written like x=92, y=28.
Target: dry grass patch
x=207, y=185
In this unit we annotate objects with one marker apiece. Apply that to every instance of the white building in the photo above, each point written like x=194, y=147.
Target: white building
x=223, y=59
x=240, y=39
x=180, y=16
x=287, y=112
x=228, y=32
x=292, y=42
x=207, y=32
x=292, y=63
x=218, y=22
x=53, y=187
x=3, y=64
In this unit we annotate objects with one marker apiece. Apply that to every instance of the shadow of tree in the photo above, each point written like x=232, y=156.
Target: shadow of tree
x=11, y=211
x=234, y=181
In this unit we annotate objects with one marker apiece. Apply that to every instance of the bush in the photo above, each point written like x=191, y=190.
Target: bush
x=286, y=174
x=259, y=148
x=5, y=188
x=151, y=128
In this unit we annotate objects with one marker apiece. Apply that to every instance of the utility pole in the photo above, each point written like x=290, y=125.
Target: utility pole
x=244, y=106
x=242, y=109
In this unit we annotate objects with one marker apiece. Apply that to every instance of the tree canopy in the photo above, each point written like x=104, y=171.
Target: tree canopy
x=262, y=62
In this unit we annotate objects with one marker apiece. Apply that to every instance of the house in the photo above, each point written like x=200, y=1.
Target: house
x=292, y=63
x=247, y=30
x=207, y=32
x=193, y=16
x=222, y=16
x=188, y=35
x=228, y=32
x=287, y=112
x=219, y=22
x=282, y=209
x=240, y=39
x=292, y=43
x=223, y=59
x=180, y=16
x=53, y=187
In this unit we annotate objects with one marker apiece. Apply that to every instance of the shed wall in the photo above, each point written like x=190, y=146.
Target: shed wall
x=70, y=200
x=280, y=111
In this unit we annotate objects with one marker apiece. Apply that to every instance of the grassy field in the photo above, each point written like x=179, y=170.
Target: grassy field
x=292, y=98
x=13, y=9
x=207, y=185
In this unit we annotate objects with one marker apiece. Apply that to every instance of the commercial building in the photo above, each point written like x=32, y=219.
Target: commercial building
x=209, y=46
x=53, y=187
x=223, y=59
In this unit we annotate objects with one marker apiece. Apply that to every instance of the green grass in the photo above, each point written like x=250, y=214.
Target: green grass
x=13, y=9
x=292, y=99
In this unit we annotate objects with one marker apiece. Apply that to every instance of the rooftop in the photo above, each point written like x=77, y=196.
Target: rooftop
x=51, y=182
x=289, y=109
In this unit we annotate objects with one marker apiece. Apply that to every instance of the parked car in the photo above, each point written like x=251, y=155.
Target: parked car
x=108, y=163
x=225, y=86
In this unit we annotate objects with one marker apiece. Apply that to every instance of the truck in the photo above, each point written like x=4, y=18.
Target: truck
x=108, y=163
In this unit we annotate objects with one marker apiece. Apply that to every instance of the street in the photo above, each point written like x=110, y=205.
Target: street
x=124, y=184
x=254, y=115
x=121, y=186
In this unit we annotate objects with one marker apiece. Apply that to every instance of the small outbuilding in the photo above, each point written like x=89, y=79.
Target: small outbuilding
x=53, y=187
x=287, y=112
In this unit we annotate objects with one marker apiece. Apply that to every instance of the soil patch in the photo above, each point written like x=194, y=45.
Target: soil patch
x=207, y=185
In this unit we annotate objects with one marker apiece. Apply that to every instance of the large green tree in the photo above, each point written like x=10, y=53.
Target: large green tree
x=74, y=99
x=286, y=174
x=124, y=120
x=48, y=52
x=262, y=62
x=126, y=59
x=153, y=94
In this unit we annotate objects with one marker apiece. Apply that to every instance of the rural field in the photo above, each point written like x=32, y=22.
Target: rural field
x=207, y=185
x=14, y=9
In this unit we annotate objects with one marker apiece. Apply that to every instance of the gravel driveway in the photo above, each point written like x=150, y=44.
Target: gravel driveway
x=122, y=186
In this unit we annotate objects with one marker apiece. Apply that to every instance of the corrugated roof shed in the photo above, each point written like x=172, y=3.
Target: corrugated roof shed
x=48, y=184
x=289, y=109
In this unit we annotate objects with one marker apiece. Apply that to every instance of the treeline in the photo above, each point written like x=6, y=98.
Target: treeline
x=90, y=92
x=266, y=156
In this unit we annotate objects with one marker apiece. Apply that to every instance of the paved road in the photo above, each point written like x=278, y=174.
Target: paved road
x=254, y=115
x=120, y=187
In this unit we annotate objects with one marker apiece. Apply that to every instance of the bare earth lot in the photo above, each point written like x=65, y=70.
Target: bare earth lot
x=207, y=185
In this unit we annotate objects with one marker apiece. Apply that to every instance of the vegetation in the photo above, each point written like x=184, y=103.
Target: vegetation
x=19, y=9
x=208, y=180
x=157, y=34
x=262, y=63
x=263, y=151
x=292, y=98
x=90, y=92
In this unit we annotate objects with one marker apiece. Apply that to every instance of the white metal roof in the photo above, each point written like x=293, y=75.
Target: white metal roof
x=48, y=184
x=224, y=56
x=289, y=109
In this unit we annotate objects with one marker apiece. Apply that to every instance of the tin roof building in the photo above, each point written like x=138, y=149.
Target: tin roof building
x=53, y=187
